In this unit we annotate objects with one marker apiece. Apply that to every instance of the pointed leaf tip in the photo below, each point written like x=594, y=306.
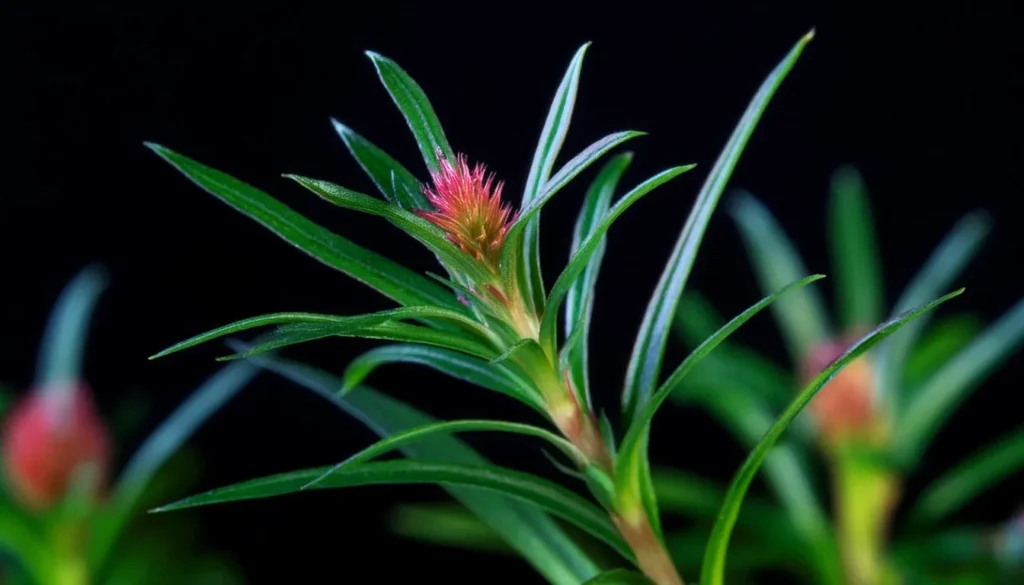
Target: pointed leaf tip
x=809, y=36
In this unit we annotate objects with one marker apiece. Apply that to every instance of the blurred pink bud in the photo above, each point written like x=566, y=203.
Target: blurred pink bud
x=48, y=437
x=846, y=405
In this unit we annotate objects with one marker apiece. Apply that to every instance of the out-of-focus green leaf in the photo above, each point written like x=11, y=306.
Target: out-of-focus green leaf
x=475, y=371
x=158, y=447
x=528, y=530
x=938, y=551
x=687, y=550
x=855, y=256
x=938, y=345
x=445, y=524
x=394, y=181
x=981, y=471
x=619, y=577
x=548, y=496
x=645, y=362
x=23, y=540
x=579, y=302
x=937, y=274
x=580, y=260
x=416, y=108
x=713, y=569
x=389, y=278
x=395, y=441
x=556, y=126
x=63, y=346
x=801, y=316
x=952, y=383
x=419, y=228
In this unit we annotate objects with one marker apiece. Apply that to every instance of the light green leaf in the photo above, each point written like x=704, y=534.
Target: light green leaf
x=529, y=531
x=855, y=256
x=942, y=267
x=335, y=324
x=981, y=471
x=556, y=126
x=648, y=351
x=581, y=259
x=416, y=108
x=713, y=569
x=579, y=302
x=952, y=383
x=389, y=278
x=801, y=317
x=511, y=271
x=548, y=496
x=161, y=445
x=395, y=441
x=394, y=181
x=63, y=346
x=619, y=577
x=422, y=230
x=494, y=377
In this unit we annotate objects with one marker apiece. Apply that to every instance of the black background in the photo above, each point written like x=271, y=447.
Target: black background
x=925, y=101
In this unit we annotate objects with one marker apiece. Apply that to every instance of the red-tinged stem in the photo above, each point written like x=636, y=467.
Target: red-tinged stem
x=650, y=554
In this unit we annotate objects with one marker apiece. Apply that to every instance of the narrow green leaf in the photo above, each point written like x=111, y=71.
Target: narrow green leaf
x=416, y=108
x=951, y=384
x=938, y=345
x=389, y=278
x=161, y=445
x=855, y=256
x=981, y=471
x=394, y=181
x=529, y=531
x=579, y=302
x=580, y=260
x=494, y=377
x=544, y=494
x=713, y=569
x=645, y=363
x=619, y=577
x=943, y=266
x=335, y=323
x=514, y=237
x=801, y=317
x=422, y=230
x=395, y=441
x=63, y=347
x=556, y=126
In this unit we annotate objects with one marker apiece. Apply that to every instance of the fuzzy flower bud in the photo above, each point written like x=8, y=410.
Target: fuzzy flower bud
x=847, y=404
x=469, y=209
x=49, y=436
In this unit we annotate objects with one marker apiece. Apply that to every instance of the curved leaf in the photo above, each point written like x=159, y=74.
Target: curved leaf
x=382, y=274
x=979, y=472
x=713, y=569
x=450, y=427
x=556, y=126
x=469, y=369
x=416, y=108
x=802, y=318
x=951, y=384
x=394, y=181
x=854, y=252
x=580, y=300
x=648, y=351
x=422, y=230
x=580, y=260
x=539, y=492
x=63, y=346
x=526, y=529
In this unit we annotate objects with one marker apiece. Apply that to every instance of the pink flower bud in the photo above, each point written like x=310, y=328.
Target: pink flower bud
x=48, y=437
x=846, y=405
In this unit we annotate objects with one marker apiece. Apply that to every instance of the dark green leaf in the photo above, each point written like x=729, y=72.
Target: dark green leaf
x=938, y=345
x=416, y=108
x=854, y=252
x=619, y=577
x=389, y=278
x=394, y=181
x=446, y=524
x=713, y=569
x=645, y=363
x=581, y=259
x=579, y=302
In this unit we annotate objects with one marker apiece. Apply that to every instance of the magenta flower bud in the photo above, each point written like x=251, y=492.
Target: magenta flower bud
x=49, y=436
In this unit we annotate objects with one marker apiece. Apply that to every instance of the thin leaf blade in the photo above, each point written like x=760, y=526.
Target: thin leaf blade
x=855, y=252
x=394, y=181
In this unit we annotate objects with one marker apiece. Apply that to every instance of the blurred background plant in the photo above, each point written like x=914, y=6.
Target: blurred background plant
x=62, y=521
